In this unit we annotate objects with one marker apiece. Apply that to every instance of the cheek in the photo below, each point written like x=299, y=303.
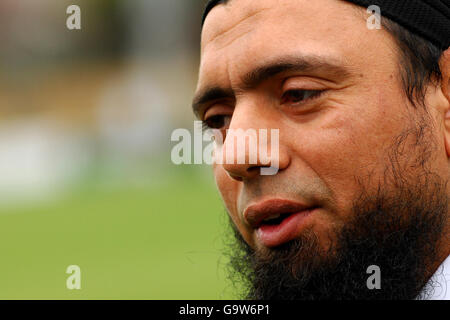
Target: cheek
x=350, y=149
x=336, y=158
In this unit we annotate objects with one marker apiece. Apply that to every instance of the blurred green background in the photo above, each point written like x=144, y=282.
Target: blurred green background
x=85, y=171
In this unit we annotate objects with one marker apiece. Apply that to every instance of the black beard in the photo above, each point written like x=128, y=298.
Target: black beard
x=398, y=229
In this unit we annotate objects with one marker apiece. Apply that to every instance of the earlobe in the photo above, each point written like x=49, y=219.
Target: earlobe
x=445, y=87
x=447, y=132
x=445, y=71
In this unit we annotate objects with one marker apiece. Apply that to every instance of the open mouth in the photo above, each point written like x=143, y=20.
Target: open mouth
x=276, y=220
x=279, y=230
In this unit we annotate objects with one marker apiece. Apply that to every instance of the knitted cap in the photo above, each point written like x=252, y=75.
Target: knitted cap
x=429, y=19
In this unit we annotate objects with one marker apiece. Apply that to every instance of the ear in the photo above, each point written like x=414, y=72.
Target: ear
x=444, y=64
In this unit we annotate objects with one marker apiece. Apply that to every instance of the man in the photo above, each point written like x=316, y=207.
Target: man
x=358, y=207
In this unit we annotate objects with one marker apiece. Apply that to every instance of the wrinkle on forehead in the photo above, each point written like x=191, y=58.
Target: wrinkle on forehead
x=227, y=34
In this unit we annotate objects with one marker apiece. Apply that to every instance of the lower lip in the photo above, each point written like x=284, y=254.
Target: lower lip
x=287, y=230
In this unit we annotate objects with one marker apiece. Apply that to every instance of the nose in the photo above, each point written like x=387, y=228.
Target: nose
x=252, y=145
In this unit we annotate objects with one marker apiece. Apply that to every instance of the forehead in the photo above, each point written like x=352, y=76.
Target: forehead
x=242, y=33
x=225, y=17
x=232, y=17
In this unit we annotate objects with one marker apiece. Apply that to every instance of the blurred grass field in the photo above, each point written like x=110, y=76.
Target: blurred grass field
x=161, y=240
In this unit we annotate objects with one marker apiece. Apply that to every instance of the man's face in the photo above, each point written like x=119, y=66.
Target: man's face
x=332, y=87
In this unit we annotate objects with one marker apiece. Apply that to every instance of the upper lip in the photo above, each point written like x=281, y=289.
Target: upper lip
x=255, y=214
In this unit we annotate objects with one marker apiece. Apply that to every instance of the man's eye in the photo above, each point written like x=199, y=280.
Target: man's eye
x=296, y=96
x=216, y=122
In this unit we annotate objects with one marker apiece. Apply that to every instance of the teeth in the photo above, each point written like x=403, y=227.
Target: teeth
x=273, y=217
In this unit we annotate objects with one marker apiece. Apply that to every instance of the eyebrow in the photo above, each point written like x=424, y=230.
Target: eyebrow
x=210, y=94
x=269, y=70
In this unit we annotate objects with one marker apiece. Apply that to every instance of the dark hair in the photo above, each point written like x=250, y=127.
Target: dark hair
x=419, y=58
x=419, y=61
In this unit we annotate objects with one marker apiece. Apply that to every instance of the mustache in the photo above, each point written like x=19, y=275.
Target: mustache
x=311, y=191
